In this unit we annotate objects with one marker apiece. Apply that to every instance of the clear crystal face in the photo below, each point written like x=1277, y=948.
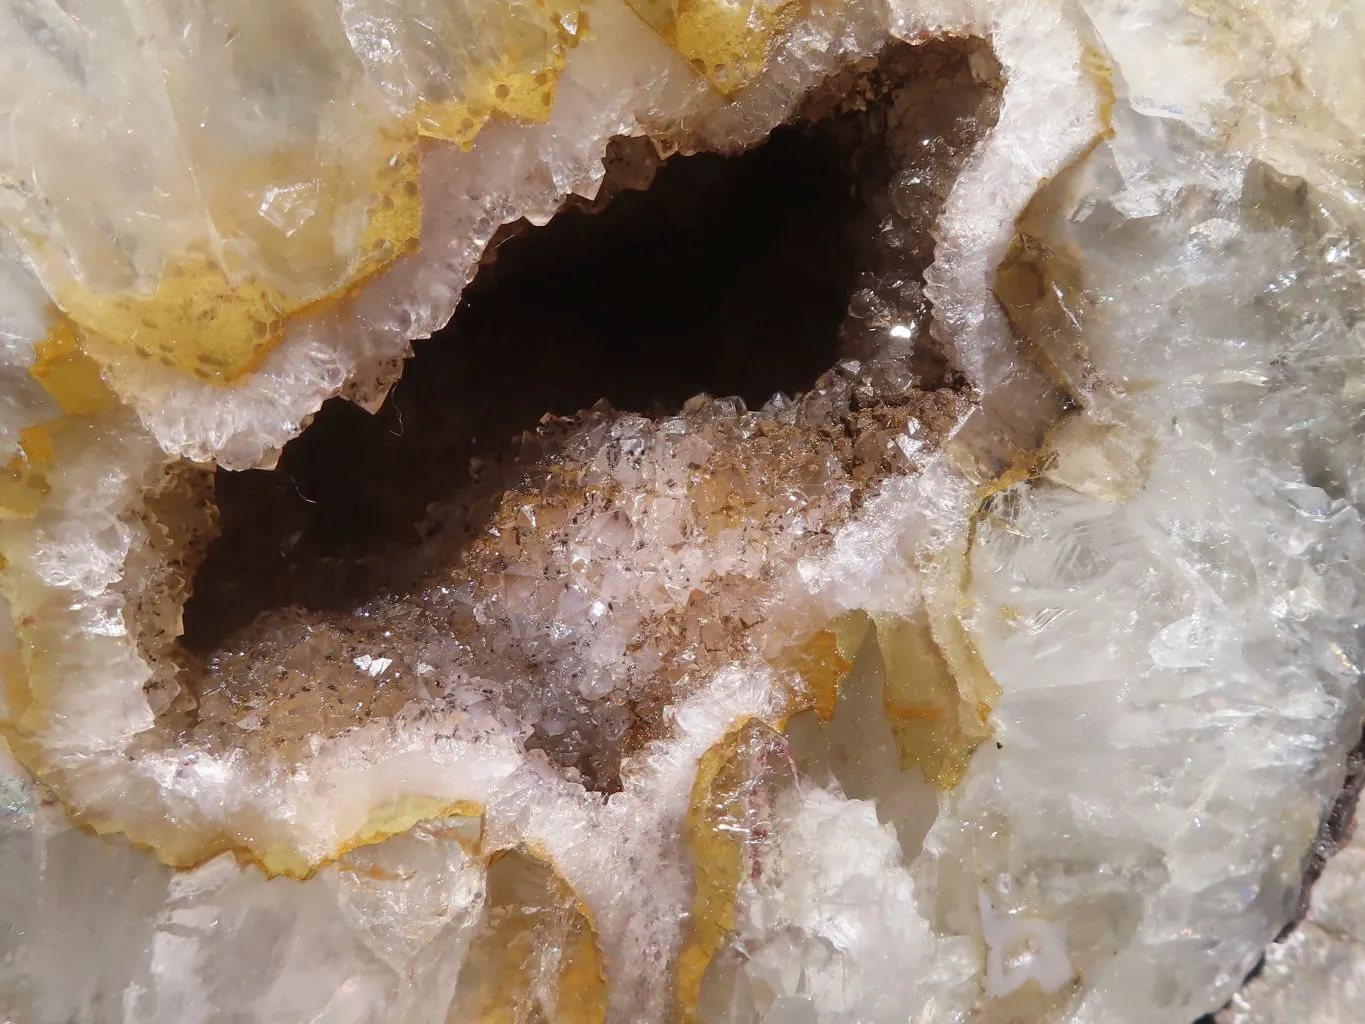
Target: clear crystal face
x=680, y=511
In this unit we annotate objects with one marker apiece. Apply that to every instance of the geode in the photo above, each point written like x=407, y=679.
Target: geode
x=698, y=510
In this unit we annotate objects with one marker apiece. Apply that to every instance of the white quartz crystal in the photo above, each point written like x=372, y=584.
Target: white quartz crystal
x=1317, y=972
x=1092, y=601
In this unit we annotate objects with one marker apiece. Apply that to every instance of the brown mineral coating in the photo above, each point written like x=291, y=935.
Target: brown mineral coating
x=575, y=587
x=178, y=533
x=631, y=559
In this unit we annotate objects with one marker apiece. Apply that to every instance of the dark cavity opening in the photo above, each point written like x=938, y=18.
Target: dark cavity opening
x=727, y=275
x=740, y=275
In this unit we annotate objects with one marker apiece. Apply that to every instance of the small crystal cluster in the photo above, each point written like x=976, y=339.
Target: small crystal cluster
x=607, y=583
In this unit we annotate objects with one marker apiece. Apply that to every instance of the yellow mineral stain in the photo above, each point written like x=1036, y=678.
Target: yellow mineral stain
x=717, y=830
x=384, y=822
x=465, y=828
x=14, y=692
x=215, y=322
x=36, y=444
x=1106, y=461
x=394, y=226
x=821, y=663
x=216, y=317
x=198, y=320
x=536, y=957
x=217, y=308
x=520, y=85
x=1101, y=72
x=727, y=43
x=404, y=814
x=68, y=374
x=821, y=667
x=937, y=721
x=374, y=873
x=23, y=483
x=526, y=97
x=1041, y=289
x=185, y=847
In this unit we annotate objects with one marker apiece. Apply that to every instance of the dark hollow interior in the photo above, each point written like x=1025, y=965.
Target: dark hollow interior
x=728, y=275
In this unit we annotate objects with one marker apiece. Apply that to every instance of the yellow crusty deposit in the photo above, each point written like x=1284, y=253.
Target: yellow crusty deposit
x=726, y=42
x=196, y=213
x=535, y=955
x=729, y=779
x=271, y=163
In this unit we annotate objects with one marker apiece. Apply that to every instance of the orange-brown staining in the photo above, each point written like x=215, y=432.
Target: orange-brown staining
x=522, y=96
x=727, y=43
x=290, y=692
x=23, y=481
x=375, y=873
x=1040, y=288
x=820, y=664
x=68, y=374
x=216, y=309
x=1090, y=447
x=465, y=828
x=728, y=823
x=935, y=718
x=317, y=691
x=14, y=692
x=1101, y=71
x=185, y=842
x=1105, y=461
x=535, y=956
x=821, y=667
x=36, y=444
x=750, y=474
x=1040, y=283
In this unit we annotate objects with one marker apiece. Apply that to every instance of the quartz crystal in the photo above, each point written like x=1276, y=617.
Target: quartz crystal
x=874, y=533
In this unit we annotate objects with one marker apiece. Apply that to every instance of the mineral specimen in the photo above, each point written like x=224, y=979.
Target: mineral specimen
x=874, y=534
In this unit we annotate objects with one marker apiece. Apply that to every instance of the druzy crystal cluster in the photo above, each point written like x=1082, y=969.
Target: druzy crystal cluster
x=715, y=510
